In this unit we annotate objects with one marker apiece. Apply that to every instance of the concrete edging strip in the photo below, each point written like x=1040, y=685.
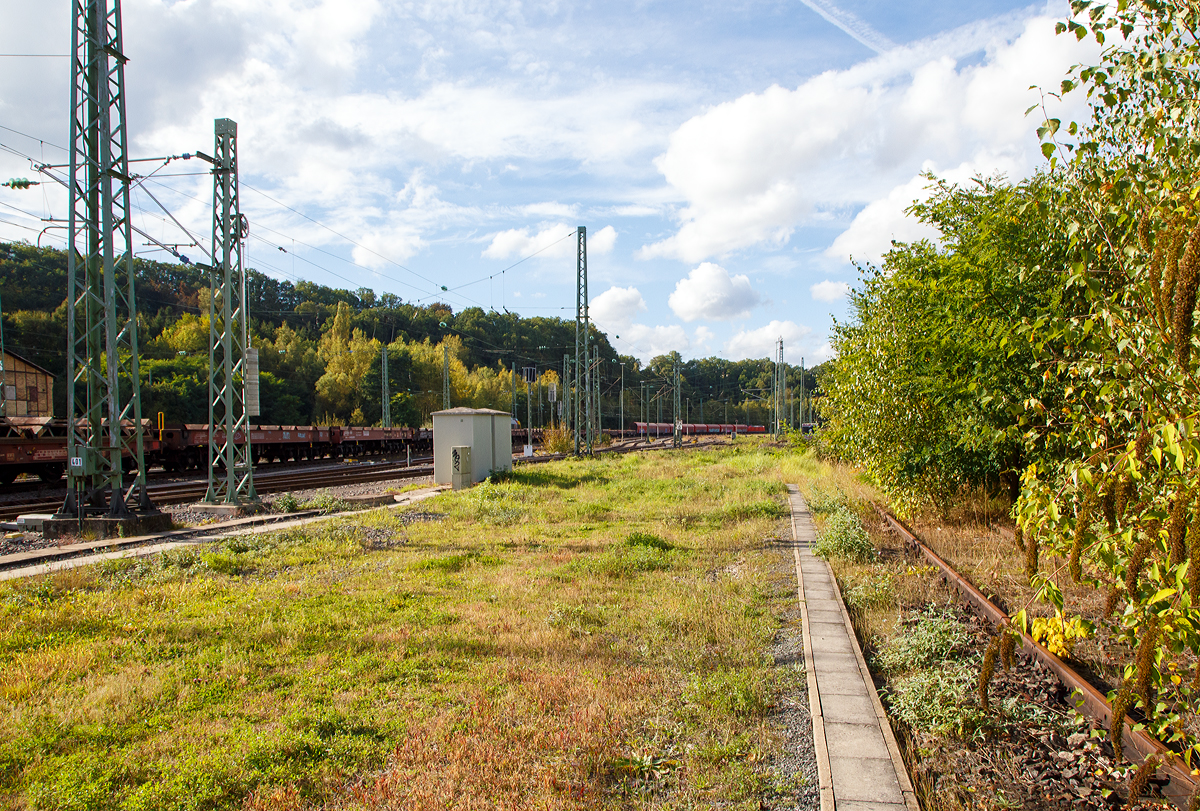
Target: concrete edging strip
x=845, y=750
x=820, y=745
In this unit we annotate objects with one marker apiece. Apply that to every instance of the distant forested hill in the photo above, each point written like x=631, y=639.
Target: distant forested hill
x=320, y=350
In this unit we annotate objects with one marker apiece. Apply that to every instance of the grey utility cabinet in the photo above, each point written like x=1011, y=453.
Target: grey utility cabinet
x=487, y=432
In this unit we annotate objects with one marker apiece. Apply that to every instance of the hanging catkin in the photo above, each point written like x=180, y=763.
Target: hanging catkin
x=1121, y=493
x=1110, y=602
x=1177, y=525
x=1008, y=649
x=1120, y=707
x=1140, y=780
x=1108, y=504
x=1184, y=300
x=1145, y=659
x=1137, y=558
x=1142, y=444
x=1019, y=537
x=1083, y=520
x=1170, y=271
x=1193, y=540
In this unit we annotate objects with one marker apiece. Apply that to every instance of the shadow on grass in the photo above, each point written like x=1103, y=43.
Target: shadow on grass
x=547, y=478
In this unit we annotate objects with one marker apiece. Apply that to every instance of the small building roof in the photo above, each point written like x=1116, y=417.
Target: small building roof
x=15, y=356
x=469, y=412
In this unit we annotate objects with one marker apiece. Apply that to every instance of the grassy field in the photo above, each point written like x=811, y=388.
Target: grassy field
x=581, y=635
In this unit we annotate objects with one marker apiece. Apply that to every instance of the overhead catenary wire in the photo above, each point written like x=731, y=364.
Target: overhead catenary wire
x=142, y=180
x=343, y=236
x=312, y=247
x=442, y=290
x=480, y=280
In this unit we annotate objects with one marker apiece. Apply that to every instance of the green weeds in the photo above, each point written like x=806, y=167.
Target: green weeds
x=530, y=647
x=844, y=538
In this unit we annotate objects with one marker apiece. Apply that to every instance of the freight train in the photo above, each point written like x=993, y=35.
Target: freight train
x=656, y=429
x=38, y=445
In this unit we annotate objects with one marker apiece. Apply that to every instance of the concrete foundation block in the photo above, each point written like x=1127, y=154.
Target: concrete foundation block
x=104, y=527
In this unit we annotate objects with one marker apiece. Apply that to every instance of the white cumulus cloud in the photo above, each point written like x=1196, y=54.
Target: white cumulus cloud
x=614, y=309
x=829, y=290
x=602, y=241
x=658, y=340
x=551, y=240
x=710, y=292
x=753, y=169
x=760, y=343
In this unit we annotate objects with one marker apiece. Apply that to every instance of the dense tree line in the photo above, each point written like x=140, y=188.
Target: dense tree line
x=320, y=351
x=1048, y=338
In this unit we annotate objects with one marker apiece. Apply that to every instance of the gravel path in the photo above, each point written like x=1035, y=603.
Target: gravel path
x=794, y=772
x=186, y=516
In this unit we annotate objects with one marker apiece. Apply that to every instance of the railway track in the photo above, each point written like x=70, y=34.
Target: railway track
x=287, y=481
x=281, y=481
x=1181, y=784
x=265, y=482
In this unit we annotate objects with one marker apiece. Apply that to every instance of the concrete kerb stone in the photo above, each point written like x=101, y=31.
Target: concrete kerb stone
x=824, y=769
x=853, y=783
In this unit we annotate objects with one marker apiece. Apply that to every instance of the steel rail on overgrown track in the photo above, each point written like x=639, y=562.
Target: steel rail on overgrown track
x=1180, y=785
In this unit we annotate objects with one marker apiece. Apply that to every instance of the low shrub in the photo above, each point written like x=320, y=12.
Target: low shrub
x=287, y=503
x=326, y=503
x=624, y=561
x=932, y=637
x=936, y=700
x=764, y=508
x=844, y=539
x=826, y=500
x=736, y=692
x=557, y=440
x=872, y=592
x=646, y=539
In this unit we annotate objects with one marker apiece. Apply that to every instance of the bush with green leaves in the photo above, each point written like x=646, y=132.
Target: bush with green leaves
x=930, y=637
x=871, y=592
x=826, y=499
x=937, y=700
x=844, y=538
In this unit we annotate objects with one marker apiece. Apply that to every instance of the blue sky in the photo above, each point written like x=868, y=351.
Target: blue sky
x=728, y=159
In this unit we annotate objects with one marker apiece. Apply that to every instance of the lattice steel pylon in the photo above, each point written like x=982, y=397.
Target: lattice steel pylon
x=677, y=432
x=778, y=405
x=102, y=345
x=385, y=419
x=230, y=460
x=583, y=377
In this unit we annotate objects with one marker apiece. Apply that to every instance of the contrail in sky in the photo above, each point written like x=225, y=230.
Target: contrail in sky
x=851, y=24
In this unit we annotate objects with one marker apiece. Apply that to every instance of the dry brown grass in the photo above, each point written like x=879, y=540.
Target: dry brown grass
x=537, y=740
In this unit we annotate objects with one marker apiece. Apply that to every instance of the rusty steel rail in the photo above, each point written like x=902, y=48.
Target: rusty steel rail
x=1180, y=785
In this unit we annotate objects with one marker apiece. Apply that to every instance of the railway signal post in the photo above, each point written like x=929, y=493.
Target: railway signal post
x=104, y=405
